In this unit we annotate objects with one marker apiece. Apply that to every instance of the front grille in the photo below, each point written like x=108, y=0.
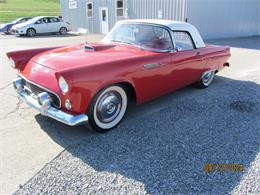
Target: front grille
x=35, y=89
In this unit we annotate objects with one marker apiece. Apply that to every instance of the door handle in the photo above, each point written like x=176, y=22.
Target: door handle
x=200, y=55
x=150, y=66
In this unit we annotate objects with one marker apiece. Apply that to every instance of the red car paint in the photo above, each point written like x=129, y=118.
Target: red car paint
x=87, y=71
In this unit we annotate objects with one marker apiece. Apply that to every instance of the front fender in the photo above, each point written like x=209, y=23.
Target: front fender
x=82, y=93
x=22, y=57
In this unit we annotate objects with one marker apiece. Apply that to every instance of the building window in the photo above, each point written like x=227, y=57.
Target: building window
x=90, y=9
x=119, y=8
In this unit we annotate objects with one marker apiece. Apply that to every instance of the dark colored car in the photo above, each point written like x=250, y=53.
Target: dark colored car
x=6, y=28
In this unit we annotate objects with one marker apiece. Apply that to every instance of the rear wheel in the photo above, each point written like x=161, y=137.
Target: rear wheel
x=63, y=30
x=31, y=32
x=206, y=79
x=108, y=108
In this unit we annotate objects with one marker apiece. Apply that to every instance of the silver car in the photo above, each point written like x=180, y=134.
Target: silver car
x=40, y=25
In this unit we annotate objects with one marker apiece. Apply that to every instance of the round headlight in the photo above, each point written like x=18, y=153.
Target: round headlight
x=63, y=85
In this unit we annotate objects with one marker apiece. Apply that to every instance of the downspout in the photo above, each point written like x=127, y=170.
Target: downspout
x=126, y=9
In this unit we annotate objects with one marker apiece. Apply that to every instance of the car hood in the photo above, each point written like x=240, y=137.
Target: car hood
x=87, y=55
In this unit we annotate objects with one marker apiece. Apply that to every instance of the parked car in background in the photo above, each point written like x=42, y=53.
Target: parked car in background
x=41, y=25
x=137, y=61
x=6, y=28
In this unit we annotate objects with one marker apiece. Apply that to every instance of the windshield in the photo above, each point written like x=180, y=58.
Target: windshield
x=145, y=36
x=15, y=21
x=32, y=20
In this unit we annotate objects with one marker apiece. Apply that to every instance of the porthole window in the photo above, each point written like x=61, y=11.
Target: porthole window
x=182, y=40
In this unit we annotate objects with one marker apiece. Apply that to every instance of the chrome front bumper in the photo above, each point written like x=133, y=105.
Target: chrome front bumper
x=42, y=103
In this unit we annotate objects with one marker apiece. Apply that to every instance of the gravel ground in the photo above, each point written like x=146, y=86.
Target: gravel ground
x=163, y=150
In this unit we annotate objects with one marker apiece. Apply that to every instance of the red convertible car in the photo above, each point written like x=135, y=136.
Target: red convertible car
x=138, y=60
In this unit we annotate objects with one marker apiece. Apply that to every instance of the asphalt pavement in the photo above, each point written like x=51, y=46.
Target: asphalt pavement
x=161, y=147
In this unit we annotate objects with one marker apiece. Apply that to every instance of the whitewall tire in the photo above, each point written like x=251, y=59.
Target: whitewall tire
x=108, y=108
x=206, y=79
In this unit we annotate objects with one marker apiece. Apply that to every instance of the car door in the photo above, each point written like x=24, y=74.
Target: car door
x=54, y=24
x=41, y=25
x=187, y=61
x=154, y=76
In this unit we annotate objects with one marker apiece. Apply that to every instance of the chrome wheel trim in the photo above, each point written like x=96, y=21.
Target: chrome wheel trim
x=110, y=107
x=207, y=77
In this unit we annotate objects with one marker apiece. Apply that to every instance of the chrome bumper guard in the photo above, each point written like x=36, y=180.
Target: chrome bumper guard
x=42, y=103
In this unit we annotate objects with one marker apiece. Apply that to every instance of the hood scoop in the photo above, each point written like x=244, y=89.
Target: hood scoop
x=89, y=48
x=97, y=47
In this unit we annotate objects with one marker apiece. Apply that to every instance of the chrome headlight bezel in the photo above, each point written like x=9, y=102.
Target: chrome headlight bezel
x=63, y=85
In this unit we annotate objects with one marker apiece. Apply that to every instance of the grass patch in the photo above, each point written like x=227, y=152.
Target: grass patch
x=12, y=9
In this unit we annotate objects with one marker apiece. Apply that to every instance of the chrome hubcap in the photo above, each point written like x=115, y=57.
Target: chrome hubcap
x=207, y=77
x=109, y=107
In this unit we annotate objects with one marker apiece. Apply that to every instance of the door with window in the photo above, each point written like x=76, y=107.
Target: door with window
x=187, y=61
x=41, y=25
x=103, y=15
x=54, y=24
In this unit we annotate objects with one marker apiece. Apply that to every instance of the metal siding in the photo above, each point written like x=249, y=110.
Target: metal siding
x=69, y=15
x=213, y=18
x=82, y=14
x=148, y=9
x=221, y=18
x=76, y=17
x=89, y=21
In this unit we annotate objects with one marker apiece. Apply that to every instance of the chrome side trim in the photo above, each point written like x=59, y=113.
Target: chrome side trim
x=44, y=88
x=151, y=66
x=43, y=104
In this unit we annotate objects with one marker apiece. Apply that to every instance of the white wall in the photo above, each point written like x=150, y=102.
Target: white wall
x=225, y=18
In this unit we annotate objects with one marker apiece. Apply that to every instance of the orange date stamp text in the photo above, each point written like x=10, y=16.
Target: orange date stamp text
x=233, y=167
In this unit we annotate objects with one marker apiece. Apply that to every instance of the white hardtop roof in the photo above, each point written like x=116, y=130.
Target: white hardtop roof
x=173, y=25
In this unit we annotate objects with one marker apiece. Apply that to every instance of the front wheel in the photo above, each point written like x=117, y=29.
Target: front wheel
x=206, y=79
x=108, y=108
x=8, y=31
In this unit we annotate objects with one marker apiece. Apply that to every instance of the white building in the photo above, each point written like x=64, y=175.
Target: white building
x=213, y=18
